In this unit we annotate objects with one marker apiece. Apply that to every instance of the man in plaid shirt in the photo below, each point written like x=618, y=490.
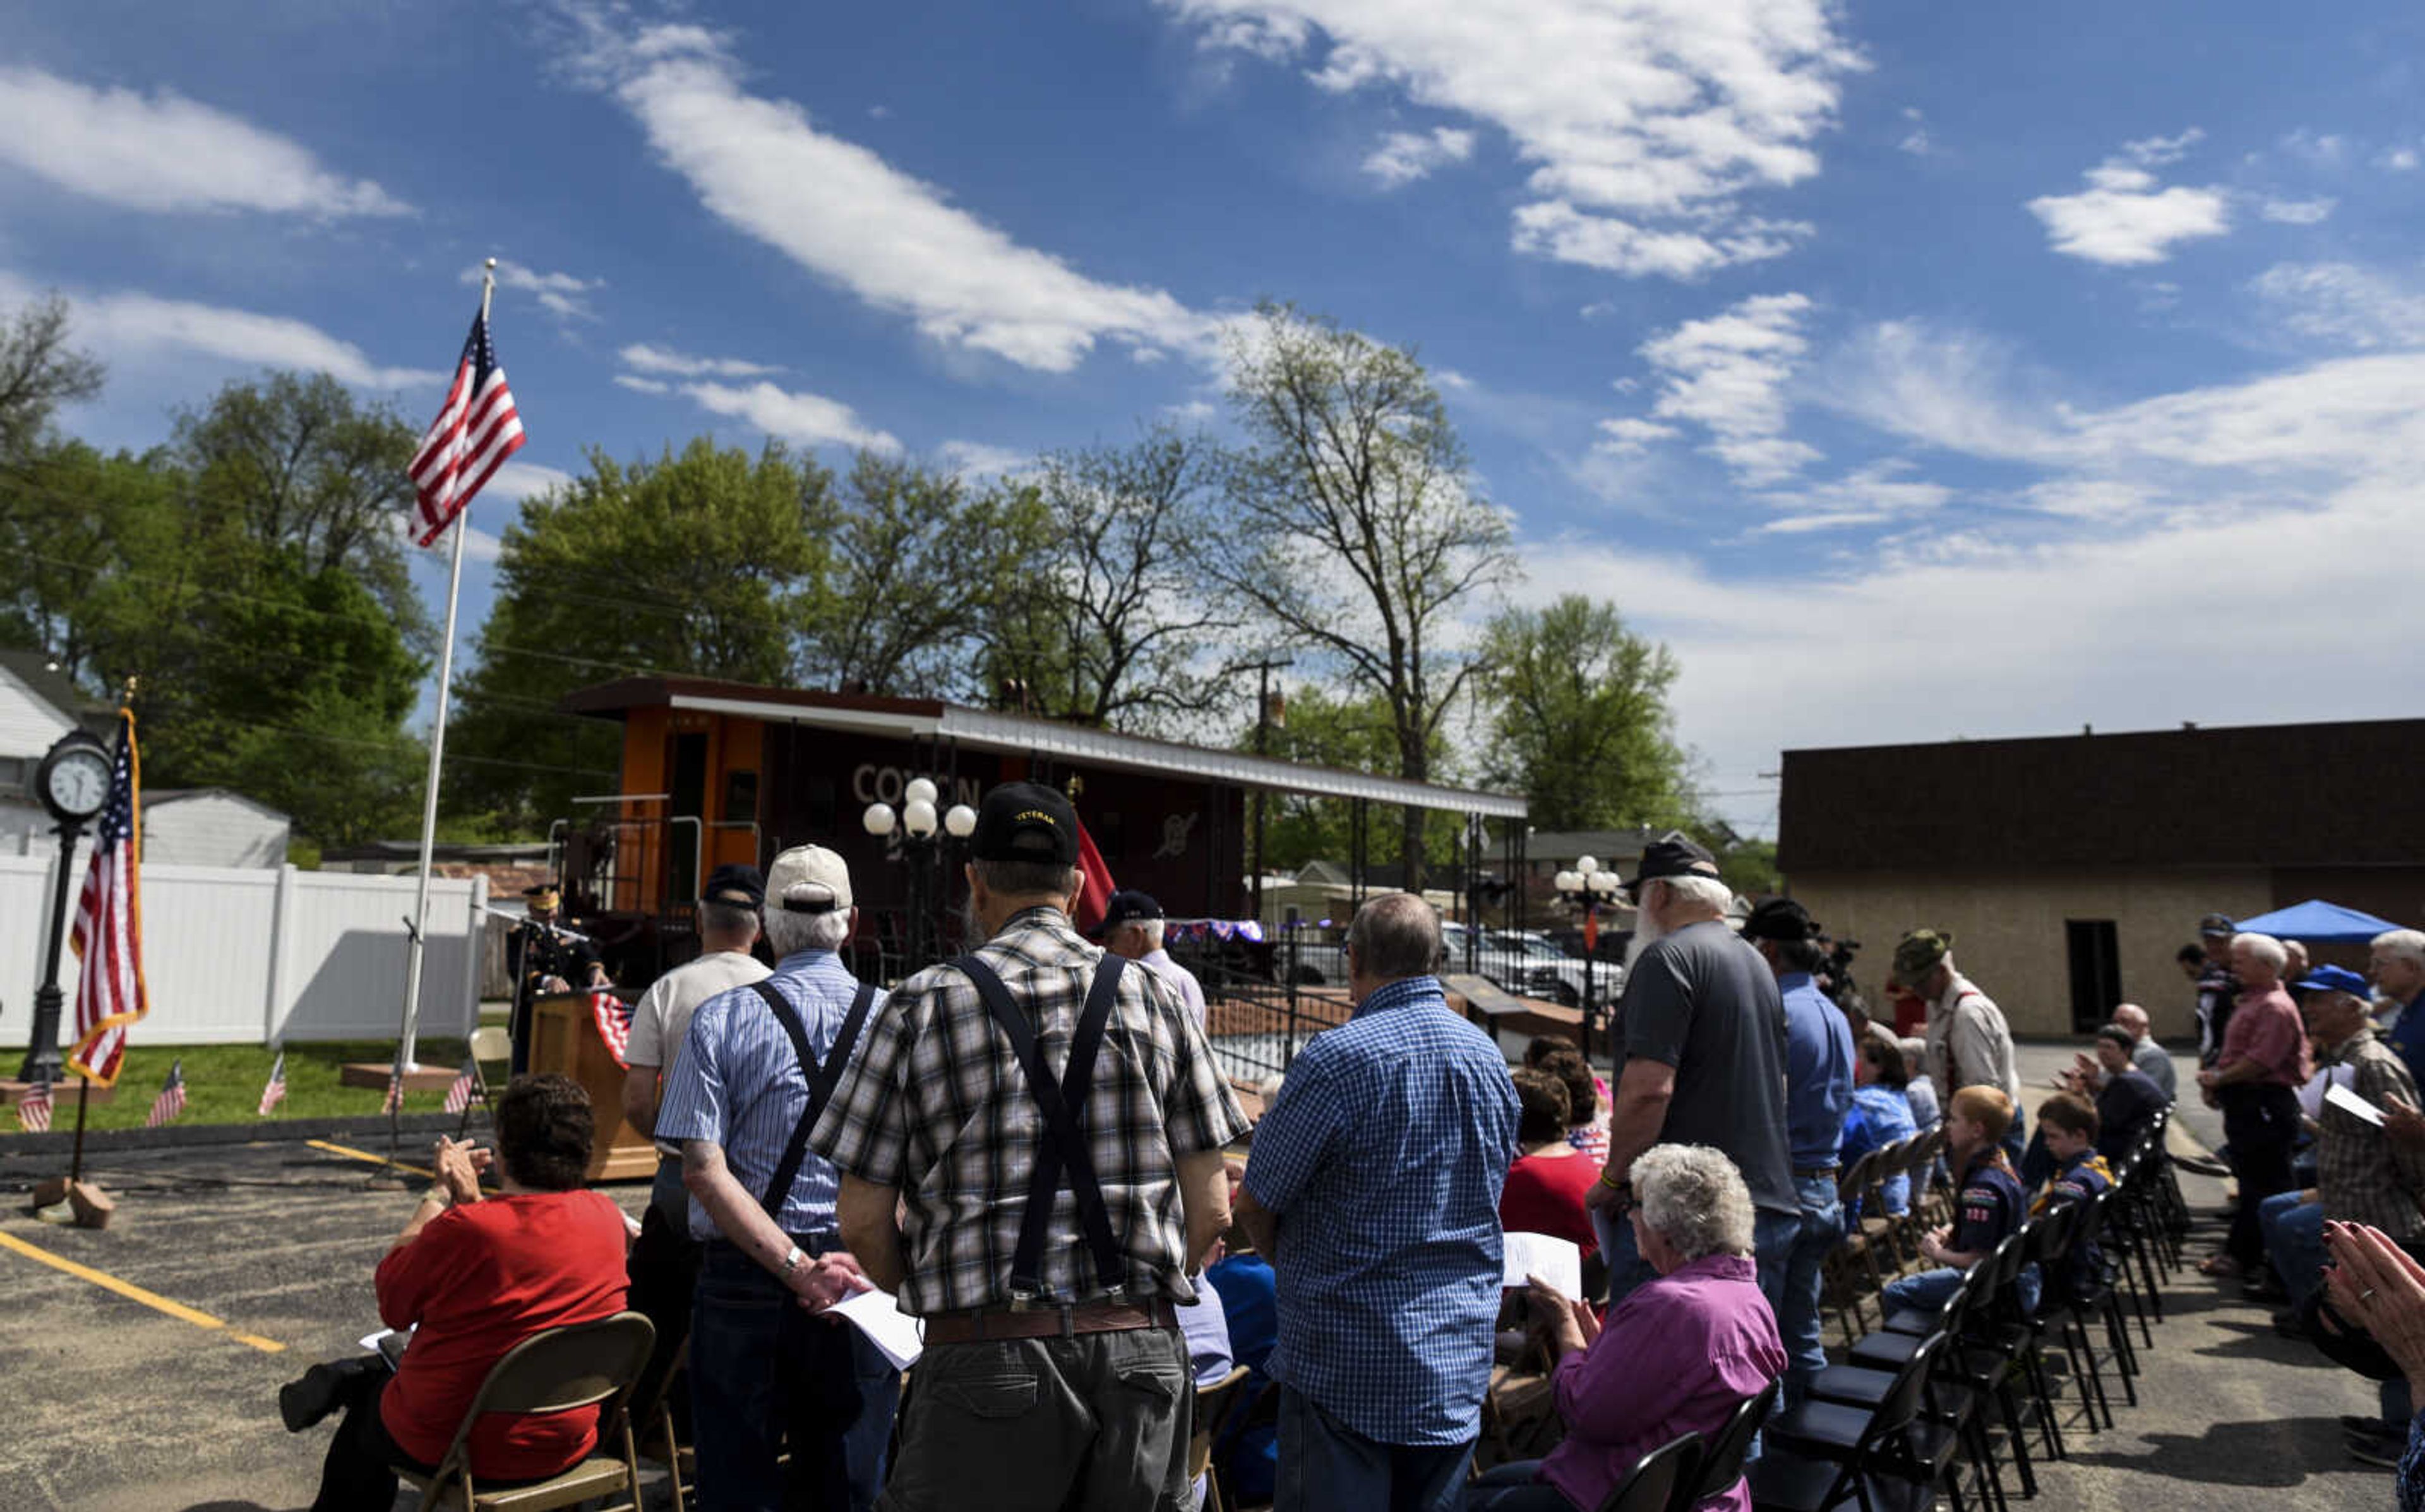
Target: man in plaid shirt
x=1045, y=1231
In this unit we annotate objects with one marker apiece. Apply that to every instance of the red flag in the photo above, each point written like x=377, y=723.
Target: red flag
x=458, y=1093
x=107, y=936
x=614, y=1017
x=1099, y=887
x=34, y=1109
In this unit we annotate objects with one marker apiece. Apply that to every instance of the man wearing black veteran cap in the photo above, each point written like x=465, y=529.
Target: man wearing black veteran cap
x=665, y=1258
x=1818, y=1095
x=542, y=959
x=1700, y=1042
x=1047, y=1122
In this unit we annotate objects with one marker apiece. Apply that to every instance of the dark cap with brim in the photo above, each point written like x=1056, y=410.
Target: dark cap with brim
x=1127, y=906
x=1780, y=918
x=2214, y=924
x=735, y=885
x=1026, y=822
x=1671, y=855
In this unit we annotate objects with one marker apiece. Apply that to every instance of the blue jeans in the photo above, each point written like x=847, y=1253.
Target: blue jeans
x=1820, y=1229
x=1325, y=1465
x=762, y=1372
x=1773, y=1238
x=2294, y=1241
x=2016, y=1138
x=1927, y=1291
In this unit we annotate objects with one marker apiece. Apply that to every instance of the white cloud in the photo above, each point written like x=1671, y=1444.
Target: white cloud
x=2297, y=212
x=639, y=385
x=2322, y=149
x=1193, y=411
x=136, y=329
x=682, y=365
x=2123, y=219
x=2398, y=159
x=847, y=215
x=808, y=419
x=561, y=294
x=520, y=480
x=979, y=459
x=1873, y=492
x=1646, y=123
x=1915, y=141
x=2342, y=302
x=1627, y=434
x=2087, y=499
x=1405, y=156
x=1726, y=375
x=165, y=152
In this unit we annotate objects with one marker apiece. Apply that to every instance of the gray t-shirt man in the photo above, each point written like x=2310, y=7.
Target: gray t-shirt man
x=1704, y=1002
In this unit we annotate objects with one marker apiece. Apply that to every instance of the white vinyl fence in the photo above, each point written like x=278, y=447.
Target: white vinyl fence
x=255, y=955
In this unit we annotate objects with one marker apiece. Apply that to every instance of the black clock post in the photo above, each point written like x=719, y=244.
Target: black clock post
x=73, y=749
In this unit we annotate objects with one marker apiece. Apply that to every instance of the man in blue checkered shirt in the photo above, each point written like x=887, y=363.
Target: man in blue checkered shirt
x=1373, y=1190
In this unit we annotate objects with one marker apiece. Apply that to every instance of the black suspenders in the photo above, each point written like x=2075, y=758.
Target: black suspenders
x=821, y=1079
x=1063, y=1103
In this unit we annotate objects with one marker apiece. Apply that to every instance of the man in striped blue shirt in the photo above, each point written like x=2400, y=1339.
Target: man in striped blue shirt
x=1373, y=1188
x=757, y=1065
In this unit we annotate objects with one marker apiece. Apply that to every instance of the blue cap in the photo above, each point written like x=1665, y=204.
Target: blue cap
x=2332, y=979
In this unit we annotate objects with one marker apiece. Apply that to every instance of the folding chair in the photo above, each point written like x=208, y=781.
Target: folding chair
x=1833, y=1457
x=555, y=1371
x=1722, y=1453
x=1213, y=1404
x=1663, y=1480
x=489, y=1043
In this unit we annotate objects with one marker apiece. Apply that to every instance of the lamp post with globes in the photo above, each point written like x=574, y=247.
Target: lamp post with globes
x=920, y=840
x=1589, y=889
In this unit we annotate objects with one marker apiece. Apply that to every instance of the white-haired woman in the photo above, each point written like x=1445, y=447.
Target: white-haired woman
x=1674, y=1357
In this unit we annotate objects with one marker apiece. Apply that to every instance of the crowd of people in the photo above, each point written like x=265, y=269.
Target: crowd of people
x=1028, y=1149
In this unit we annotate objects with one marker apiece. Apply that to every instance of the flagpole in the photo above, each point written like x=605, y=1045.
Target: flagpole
x=75, y=1161
x=414, y=944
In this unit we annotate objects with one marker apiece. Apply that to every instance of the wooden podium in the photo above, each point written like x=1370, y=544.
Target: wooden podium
x=564, y=1038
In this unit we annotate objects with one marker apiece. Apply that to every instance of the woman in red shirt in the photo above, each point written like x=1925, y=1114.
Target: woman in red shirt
x=1547, y=1184
x=474, y=1278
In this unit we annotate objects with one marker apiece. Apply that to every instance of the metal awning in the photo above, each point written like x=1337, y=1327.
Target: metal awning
x=1023, y=734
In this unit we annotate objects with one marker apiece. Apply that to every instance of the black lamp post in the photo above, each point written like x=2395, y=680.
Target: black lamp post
x=1589, y=889
x=922, y=833
x=73, y=781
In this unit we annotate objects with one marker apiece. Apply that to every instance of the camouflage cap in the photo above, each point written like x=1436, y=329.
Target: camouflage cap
x=1918, y=953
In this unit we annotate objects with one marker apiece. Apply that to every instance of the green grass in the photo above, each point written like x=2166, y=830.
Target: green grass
x=223, y=1083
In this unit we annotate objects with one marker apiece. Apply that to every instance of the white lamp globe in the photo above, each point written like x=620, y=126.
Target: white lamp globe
x=960, y=821
x=1568, y=881
x=878, y=819
x=919, y=791
x=918, y=818
x=1588, y=865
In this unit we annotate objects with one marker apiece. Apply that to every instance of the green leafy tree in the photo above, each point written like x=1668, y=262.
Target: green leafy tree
x=1112, y=625
x=1354, y=732
x=1579, y=717
x=932, y=579
x=1354, y=529
x=701, y=562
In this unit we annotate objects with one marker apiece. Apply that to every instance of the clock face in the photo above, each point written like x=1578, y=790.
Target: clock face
x=78, y=782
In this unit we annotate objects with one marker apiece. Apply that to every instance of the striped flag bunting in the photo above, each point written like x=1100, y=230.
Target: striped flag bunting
x=171, y=1099
x=458, y=1096
x=477, y=429
x=34, y=1109
x=274, y=1093
x=107, y=935
x=614, y=1017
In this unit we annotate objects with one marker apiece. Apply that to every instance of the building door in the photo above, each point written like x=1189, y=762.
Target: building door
x=2095, y=972
x=687, y=790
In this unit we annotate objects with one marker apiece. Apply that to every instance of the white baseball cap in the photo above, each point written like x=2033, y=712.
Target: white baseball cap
x=809, y=879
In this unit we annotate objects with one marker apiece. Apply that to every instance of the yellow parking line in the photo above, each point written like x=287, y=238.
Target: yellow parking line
x=134, y=1292
x=351, y=1153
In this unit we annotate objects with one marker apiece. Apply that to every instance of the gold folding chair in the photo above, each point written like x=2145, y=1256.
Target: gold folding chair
x=1214, y=1404
x=555, y=1371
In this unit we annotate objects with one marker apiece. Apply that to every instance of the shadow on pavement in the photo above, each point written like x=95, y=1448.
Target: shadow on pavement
x=2276, y=1452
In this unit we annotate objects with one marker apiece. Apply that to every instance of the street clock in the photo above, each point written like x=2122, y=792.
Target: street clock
x=73, y=779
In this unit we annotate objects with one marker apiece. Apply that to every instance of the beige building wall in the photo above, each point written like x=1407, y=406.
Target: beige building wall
x=2009, y=935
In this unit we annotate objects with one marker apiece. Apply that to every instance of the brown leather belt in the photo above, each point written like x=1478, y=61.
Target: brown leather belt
x=988, y=1324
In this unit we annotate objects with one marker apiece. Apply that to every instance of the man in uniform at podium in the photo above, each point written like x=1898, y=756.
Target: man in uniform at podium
x=543, y=961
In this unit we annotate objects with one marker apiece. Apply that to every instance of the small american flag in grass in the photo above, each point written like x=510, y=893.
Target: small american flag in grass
x=458, y=1096
x=34, y=1109
x=171, y=1099
x=275, y=1092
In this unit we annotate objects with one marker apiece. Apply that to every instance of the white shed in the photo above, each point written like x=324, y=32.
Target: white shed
x=211, y=827
x=38, y=705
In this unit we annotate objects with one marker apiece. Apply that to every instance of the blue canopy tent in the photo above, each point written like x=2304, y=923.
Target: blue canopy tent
x=2317, y=923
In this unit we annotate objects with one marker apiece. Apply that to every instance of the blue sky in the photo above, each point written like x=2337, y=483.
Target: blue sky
x=1914, y=370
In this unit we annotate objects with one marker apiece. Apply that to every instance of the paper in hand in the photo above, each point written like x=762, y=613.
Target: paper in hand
x=896, y=1335
x=1559, y=1261
x=2349, y=1102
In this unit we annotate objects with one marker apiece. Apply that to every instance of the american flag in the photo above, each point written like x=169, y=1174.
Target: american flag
x=477, y=429
x=171, y=1099
x=108, y=933
x=458, y=1096
x=34, y=1109
x=275, y=1092
x=614, y=1023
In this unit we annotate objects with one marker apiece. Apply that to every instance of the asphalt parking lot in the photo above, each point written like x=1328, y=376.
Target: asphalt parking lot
x=115, y=1404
